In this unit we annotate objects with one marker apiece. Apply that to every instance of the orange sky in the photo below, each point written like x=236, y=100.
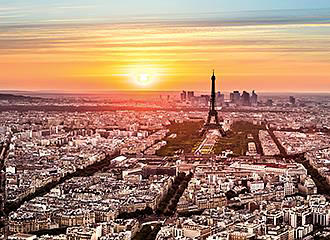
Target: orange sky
x=172, y=55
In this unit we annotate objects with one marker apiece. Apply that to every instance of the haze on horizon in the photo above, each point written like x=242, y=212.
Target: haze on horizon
x=96, y=45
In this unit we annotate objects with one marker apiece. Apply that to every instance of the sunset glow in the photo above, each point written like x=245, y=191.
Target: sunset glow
x=264, y=50
x=144, y=79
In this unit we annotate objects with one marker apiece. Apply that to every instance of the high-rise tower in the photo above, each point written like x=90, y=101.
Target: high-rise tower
x=213, y=112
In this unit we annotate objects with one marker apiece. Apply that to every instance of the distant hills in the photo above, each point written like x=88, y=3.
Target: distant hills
x=13, y=97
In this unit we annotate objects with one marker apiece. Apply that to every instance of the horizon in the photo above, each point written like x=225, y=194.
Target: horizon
x=150, y=91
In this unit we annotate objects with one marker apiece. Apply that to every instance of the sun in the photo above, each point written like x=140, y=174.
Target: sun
x=144, y=79
x=144, y=76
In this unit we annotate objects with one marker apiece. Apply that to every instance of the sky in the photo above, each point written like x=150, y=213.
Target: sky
x=99, y=45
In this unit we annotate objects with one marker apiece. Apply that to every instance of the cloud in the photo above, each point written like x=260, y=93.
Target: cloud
x=247, y=42
x=76, y=7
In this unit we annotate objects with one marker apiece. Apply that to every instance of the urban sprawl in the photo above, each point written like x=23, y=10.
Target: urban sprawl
x=129, y=172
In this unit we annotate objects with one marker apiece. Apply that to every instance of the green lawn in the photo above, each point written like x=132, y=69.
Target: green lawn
x=188, y=137
x=236, y=139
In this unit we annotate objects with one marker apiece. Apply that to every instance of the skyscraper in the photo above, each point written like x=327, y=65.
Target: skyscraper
x=191, y=95
x=235, y=97
x=220, y=99
x=183, y=96
x=292, y=100
x=254, y=98
x=245, y=99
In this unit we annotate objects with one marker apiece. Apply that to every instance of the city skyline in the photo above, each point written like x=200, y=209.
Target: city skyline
x=83, y=46
x=164, y=120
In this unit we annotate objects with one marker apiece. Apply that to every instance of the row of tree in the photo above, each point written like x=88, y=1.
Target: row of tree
x=168, y=205
x=323, y=187
x=137, y=214
x=88, y=171
x=187, y=135
x=147, y=233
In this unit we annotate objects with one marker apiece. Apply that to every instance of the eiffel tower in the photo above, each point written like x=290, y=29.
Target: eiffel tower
x=213, y=112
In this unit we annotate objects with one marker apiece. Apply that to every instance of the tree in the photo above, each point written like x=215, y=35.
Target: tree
x=231, y=194
x=148, y=211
